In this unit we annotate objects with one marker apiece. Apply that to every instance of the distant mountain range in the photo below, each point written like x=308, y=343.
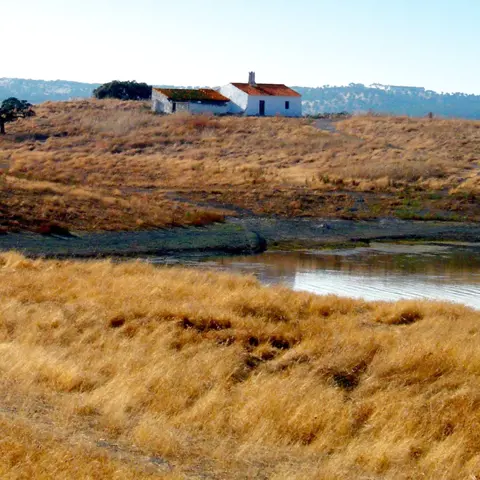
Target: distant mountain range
x=356, y=97
x=38, y=91
x=414, y=101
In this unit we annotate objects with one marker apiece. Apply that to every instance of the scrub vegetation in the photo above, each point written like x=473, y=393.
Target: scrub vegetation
x=111, y=164
x=132, y=371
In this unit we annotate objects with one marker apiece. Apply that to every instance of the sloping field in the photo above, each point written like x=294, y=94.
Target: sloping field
x=114, y=165
x=132, y=371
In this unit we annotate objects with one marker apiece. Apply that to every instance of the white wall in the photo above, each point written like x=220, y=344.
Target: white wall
x=250, y=104
x=160, y=103
x=274, y=106
x=209, y=108
x=238, y=98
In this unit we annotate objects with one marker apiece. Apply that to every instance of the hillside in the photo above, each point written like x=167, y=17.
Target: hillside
x=38, y=91
x=395, y=100
x=113, y=165
x=415, y=101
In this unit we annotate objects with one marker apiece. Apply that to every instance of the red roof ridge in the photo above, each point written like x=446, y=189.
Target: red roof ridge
x=268, y=89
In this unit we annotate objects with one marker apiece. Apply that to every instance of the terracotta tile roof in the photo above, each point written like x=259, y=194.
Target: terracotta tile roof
x=193, y=95
x=270, y=89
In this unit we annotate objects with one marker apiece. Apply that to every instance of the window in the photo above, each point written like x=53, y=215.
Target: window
x=287, y=105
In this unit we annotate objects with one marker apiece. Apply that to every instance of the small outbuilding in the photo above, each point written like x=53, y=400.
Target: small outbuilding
x=263, y=99
x=202, y=100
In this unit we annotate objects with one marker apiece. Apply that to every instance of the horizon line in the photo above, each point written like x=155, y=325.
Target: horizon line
x=442, y=92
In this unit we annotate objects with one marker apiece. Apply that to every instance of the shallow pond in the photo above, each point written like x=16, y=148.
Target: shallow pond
x=379, y=272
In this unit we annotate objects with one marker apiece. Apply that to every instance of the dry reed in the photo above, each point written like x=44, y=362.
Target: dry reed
x=224, y=378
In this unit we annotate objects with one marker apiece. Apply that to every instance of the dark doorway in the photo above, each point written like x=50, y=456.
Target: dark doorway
x=261, y=108
x=174, y=107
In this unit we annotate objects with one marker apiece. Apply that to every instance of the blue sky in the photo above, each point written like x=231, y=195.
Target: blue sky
x=209, y=42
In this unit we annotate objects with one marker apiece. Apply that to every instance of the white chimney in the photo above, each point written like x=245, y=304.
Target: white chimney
x=251, y=78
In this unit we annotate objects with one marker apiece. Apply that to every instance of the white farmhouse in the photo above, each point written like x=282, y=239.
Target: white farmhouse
x=202, y=100
x=262, y=98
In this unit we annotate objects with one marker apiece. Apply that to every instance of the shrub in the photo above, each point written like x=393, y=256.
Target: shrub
x=129, y=90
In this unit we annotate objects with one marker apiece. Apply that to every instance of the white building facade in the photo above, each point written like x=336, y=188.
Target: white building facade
x=262, y=99
x=251, y=99
x=204, y=100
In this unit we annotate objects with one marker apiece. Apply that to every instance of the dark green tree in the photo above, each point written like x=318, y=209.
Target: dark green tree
x=130, y=90
x=12, y=109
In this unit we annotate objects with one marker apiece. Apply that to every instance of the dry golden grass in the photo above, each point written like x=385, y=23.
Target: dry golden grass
x=42, y=206
x=121, y=154
x=31, y=452
x=433, y=153
x=248, y=382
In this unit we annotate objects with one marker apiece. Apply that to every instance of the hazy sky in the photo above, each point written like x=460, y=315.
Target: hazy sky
x=430, y=43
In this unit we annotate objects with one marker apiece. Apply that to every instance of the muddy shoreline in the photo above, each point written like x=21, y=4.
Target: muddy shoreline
x=307, y=232
x=245, y=235
x=221, y=239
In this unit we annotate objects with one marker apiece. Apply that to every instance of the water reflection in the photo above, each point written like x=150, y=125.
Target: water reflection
x=380, y=272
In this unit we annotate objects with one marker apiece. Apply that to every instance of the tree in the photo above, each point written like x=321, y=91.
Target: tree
x=12, y=109
x=130, y=90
